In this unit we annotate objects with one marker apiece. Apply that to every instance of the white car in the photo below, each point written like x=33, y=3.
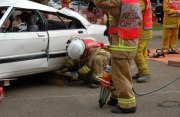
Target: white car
x=38, y=43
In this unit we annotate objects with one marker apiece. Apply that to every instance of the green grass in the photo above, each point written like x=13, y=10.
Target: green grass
x=157, y=26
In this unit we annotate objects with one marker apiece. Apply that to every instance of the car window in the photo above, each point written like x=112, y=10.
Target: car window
x=56, y=22
x=21, y=20
x=2, y=11
x=6, y=22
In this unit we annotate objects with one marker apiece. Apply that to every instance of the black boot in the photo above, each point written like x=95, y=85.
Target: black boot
x=136, y=76
x=94, y=84
x=118, y=109
x=112, y=102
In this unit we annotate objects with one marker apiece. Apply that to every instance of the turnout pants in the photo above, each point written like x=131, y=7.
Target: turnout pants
x=141, y=57
x=122, y=81
x=169, y=37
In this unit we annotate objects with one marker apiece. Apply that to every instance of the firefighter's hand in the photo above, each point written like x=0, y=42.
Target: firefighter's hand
x=106, y=32
x=64, y=69
x=178, y=11
x=75, y=75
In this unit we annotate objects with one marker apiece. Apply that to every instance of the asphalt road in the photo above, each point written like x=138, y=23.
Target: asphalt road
x=29, y=97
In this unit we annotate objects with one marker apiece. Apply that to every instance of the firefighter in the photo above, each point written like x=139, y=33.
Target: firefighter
x=171, y=24
x=123, y=33
x=90, y=56
x=142, y=50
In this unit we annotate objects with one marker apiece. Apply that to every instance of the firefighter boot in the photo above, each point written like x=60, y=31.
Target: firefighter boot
x=94, y=84
x=112, y=102
x=136, y=76
x=118, y=109
x=143, y=78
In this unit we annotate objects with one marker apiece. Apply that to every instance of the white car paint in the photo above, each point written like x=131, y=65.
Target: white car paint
x=25, y=53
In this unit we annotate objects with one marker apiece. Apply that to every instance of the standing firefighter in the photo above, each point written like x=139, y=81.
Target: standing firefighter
x=90, y=56
x=124, y=17
x=171, y=24
x=142, y=50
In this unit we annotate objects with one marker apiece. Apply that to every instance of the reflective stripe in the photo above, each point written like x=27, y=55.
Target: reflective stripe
x=94, y=75
x=86, y=69
x=110, y=17
x=114, y=93
x=171, y=11
x=126, y=101
x=102, y=50
x=122, y=47
x=70, y=62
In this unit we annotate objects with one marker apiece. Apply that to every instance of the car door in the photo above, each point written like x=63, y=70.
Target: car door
x=23, y=47
x=60, y=30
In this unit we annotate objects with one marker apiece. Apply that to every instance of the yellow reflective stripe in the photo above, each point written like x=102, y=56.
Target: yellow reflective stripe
x=102, y=50
x=123, y=99
x=108, y=53
x=110, y=17
x=86, y=69
x=126, y=101
x=94, y=75
x=171, y=11
x=70, y=61
x=122, y=42
x=114, y=93
x=123, y=48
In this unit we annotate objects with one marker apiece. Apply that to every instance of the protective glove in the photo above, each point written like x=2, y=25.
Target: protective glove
x=75, y=75
x=106, y=32
x=64, y=69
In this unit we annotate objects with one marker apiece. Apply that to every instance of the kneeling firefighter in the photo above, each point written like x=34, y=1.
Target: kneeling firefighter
x=89, y=57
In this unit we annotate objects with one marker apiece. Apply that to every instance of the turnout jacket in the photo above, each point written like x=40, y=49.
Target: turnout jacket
x=86, y=64
x=128, y=46
x=169, y=21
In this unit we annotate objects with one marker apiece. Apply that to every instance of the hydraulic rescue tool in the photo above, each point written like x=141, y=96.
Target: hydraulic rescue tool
x=159, y=53
x=105, y=83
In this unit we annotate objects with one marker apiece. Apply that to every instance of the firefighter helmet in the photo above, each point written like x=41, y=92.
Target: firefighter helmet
x=76, y=48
